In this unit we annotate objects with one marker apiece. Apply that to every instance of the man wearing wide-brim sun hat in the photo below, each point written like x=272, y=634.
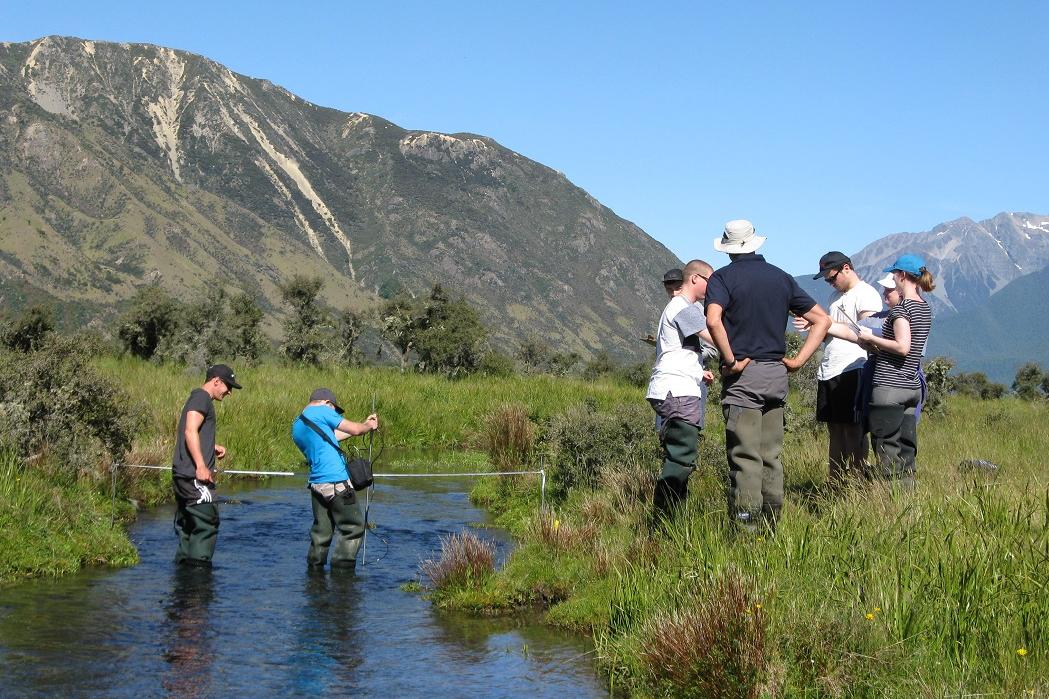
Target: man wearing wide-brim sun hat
x=747, y=305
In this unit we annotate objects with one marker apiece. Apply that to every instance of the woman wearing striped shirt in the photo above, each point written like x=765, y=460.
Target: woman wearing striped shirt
x=897, y=388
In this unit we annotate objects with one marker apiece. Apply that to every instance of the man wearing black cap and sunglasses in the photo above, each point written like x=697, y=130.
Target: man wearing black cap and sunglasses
x=336, y=510
x=193, y=468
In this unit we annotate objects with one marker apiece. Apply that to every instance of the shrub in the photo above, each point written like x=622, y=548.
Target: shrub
x=977, y=385
x=1027, y=384
x=495, y=363
x=31, y=330
x=466, y=560
x=449, y=337
x=584, y=444
x=304, y=339
x=152, y=316
x=510, y=437
x=53, y=402
x=716, y=649
x=937, y=376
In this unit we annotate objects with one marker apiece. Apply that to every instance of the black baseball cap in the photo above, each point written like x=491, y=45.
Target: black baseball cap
x=326, y=394
x=673, y=276
x=223, y=372
x=832, y=260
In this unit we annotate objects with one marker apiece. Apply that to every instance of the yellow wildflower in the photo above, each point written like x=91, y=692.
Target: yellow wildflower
x=557, y=524
x=1021, y=652
x=870, y=617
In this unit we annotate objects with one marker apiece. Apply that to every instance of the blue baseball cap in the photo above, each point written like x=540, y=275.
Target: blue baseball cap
x=911, y=264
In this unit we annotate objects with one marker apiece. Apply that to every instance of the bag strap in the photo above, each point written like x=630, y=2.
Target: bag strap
x=324, y=435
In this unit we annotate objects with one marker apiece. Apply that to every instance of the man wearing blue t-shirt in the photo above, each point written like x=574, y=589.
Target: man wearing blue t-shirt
x=336, y=512
x=747, y=305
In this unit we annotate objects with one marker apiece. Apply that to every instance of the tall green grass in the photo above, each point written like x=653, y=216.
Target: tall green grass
x=867, y=592
x=417, y=411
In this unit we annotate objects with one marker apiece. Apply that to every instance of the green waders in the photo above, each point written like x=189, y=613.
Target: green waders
x=680, y=440
x=340, y=517
x=753, y=442
x=198, y=529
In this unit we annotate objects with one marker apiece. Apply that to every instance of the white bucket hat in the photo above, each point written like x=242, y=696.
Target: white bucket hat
x=888, y=281
x=739, y=237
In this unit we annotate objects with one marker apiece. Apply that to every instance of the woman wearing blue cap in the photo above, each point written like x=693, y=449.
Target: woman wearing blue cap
x=897, y=388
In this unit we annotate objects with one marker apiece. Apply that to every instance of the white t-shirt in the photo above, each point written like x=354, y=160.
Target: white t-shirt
x=679, y=365
x=839, y=355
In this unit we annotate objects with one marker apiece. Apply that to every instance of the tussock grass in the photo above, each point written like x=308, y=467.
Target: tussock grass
x=715, y=648
x=466, y=561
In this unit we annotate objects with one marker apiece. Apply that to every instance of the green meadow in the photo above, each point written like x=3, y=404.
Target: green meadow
x=860, y=592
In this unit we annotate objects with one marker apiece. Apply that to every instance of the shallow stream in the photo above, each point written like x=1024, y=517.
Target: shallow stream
x=259, y=625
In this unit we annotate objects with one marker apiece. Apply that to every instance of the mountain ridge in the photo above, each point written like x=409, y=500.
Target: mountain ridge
x=209, y=174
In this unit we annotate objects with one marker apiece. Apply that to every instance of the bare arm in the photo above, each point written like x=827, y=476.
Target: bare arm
x=901, y=328
x=192, y=436
x=349, y=428
x=819, y=324
x=730, y=363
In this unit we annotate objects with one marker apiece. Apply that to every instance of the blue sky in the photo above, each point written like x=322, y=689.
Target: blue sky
x=827, y=124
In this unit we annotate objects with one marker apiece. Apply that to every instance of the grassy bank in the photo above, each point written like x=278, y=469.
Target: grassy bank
x=860, y=593
x=50, y=525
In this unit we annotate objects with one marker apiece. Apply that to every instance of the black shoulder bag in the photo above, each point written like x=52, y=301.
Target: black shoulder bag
x=360, y=470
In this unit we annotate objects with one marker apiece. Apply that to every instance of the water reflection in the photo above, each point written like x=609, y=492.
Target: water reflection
x=189, y=634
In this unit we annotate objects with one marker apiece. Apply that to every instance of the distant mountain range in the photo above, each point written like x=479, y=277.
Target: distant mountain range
x=128, y=164
x=990, y=278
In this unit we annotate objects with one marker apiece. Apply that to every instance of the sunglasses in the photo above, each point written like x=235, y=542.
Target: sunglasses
x=831, y=277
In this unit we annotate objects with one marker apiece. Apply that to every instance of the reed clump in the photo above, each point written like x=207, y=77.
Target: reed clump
x=716, y=648
x=509, y=437
x=466, y=561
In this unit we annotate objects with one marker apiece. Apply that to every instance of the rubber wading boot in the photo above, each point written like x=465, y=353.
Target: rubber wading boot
x=680, y=442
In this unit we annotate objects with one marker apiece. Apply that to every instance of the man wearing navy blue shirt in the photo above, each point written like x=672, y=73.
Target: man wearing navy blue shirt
x=336, y=511
x=747, y=306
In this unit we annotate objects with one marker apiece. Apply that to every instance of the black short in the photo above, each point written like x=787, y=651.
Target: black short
x=836, y=397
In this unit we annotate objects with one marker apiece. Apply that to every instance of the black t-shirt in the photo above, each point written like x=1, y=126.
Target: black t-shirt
x=182, y=465
x=756, y=298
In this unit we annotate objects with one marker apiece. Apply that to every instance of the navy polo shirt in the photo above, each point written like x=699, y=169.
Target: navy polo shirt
x=756, y=298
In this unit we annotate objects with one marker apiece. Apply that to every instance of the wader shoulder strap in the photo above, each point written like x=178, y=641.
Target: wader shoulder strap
x=324, y=435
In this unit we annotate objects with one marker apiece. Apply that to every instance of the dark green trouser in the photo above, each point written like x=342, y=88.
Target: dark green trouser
x=341, y=518
x=894, y=432
x=753, y=442
x=680, y=440
x=198, y=529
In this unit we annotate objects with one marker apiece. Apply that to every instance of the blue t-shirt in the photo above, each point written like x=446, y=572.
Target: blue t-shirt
x=755, y=298
x=326, y=464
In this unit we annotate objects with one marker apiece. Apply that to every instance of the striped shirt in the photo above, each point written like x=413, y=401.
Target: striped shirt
x=892, y=370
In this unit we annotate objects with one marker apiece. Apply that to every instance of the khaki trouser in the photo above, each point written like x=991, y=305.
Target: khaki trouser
x=753, y=442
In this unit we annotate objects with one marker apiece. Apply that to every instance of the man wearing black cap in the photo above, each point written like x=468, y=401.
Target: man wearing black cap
x=838, y=376
x=193, y=468
x=336, y=511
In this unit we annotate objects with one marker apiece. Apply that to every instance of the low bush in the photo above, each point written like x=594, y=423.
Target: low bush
x=584, y=444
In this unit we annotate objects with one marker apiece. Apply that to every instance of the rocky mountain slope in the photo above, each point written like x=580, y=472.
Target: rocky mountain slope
x=125, y=164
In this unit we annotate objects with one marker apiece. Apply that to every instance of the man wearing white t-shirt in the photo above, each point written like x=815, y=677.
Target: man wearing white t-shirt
x=677, y=388
x=839, y=372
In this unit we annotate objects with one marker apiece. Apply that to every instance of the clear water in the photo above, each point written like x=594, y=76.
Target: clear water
x=259, y=625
